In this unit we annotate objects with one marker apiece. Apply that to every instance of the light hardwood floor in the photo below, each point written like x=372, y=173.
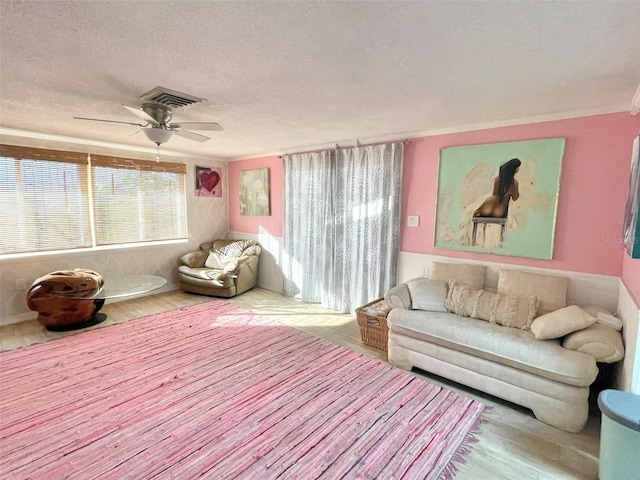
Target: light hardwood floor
x=512, y=445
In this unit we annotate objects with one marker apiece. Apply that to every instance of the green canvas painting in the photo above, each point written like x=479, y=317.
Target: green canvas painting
x=500, y=198
x=254, y=192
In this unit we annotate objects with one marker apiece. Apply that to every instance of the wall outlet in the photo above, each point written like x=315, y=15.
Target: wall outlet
x=21, y=284
x=413, y=221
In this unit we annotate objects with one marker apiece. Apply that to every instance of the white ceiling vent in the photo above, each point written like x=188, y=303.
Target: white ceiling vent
x=170, y=98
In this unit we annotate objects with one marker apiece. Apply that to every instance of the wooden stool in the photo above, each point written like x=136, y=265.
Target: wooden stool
x=65, y=300
x=484, y=221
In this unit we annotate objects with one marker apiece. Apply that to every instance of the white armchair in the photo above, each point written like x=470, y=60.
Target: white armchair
x=222, y=268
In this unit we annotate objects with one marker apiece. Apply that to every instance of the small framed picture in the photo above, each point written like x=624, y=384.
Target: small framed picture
x=208, y=182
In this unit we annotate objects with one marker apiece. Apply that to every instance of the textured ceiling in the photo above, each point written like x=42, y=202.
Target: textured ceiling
x=286, y=76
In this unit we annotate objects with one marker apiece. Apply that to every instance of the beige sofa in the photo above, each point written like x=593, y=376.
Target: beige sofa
x=521, y=343
x=222, y=268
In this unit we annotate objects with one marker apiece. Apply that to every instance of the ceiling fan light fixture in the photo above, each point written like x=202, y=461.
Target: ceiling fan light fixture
x=158, y=135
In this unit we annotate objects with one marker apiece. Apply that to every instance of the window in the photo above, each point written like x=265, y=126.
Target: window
x=44, y=200
x=138, y=201
x=49, y=202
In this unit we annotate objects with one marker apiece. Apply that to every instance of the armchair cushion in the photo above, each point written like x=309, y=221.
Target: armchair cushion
x=217, y=277
x=230, y=248
x=221, y=262
x=194, y=259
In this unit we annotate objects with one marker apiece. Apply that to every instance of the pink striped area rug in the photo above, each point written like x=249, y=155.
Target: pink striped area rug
x=217, y=392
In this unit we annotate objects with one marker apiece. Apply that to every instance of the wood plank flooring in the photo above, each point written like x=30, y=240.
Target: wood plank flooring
x=513, y=444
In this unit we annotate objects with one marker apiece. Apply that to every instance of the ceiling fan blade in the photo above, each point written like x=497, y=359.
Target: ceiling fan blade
x=143, y=115
x=209, y=126
x=191, y=135
x=109, y=121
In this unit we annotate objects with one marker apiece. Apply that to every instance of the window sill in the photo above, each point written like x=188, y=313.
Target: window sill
x=84, y=252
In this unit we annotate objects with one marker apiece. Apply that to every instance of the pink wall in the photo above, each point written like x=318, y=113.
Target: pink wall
x=273, y=224
x=595, y=174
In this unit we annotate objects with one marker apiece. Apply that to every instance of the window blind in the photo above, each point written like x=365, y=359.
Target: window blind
x=137, y=201
x=44, y=200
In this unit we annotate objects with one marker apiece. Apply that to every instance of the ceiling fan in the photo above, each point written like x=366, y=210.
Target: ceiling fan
x=156, y=113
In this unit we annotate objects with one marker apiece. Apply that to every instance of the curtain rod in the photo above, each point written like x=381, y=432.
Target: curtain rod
x=405, y=141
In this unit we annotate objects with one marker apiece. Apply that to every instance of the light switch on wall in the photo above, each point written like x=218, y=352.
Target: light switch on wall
x=413, y=221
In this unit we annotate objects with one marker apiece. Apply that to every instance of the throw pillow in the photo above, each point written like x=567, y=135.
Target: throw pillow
x=461, y=299
x=506, y=310
x=561, y=322
x=428, y=294
x=399, y=297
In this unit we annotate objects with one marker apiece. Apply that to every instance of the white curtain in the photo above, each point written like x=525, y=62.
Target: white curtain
x=342, y=224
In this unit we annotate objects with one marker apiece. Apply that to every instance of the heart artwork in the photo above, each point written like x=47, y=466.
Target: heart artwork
x=209, y=180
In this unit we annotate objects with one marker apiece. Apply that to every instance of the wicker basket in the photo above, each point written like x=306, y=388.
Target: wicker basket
x=373, y=327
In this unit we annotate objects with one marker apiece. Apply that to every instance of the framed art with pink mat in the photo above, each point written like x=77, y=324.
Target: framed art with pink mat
x=208, y=182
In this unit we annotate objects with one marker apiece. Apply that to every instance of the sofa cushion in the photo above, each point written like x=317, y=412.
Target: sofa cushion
x=594, y=310
x=231, y=248
x=551, y=290
x=428, y=294
x=506, y=310
x=508, y=346
x=604, y=343
x=561, y=322
x=252, y=250
x=472, y=275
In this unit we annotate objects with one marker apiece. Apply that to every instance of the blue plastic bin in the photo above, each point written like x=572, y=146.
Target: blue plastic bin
x=619, y=435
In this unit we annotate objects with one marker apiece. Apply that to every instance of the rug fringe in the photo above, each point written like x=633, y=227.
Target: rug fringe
x=459, y=457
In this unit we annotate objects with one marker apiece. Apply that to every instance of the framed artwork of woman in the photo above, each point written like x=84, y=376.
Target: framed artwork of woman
x=631, y=229
x=500, y=198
